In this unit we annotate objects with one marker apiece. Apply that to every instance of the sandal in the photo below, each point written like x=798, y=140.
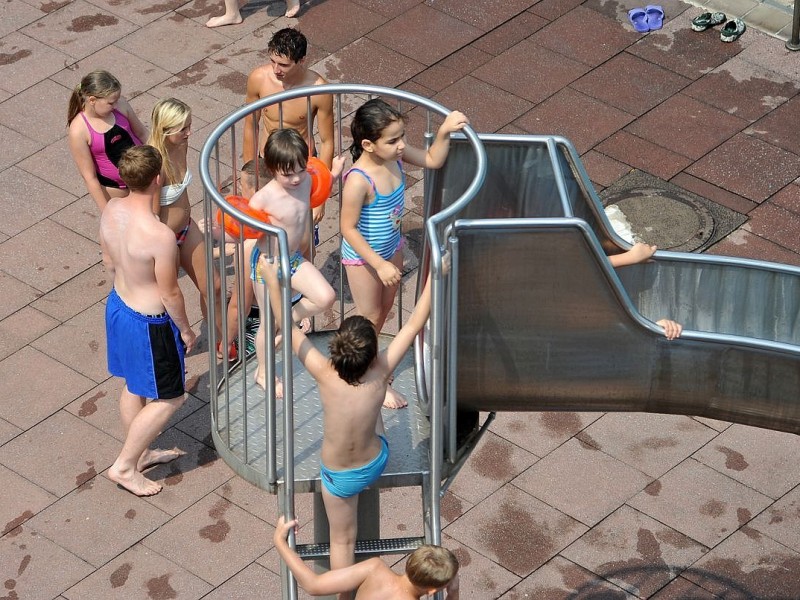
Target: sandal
x=707, y=20
x=638, y=19
x=655, y=16
x=732, y=31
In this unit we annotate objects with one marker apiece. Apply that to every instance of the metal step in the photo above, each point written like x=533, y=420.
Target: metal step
x=364, y=547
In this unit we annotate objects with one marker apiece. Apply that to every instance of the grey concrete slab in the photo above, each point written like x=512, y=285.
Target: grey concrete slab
x=60, y=454
x=635, y=552
x=35, y=567
x=135, y=571
x=516, y=530
x=651, y=443
x=212, y=539
x=582, y=481
x=21, y=500
x=27, y=397
x=766, y=461
x=21, y=328
x=79, y=521
x=700, y=502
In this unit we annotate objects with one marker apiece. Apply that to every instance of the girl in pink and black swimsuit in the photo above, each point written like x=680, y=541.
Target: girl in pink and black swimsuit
x=108, y=126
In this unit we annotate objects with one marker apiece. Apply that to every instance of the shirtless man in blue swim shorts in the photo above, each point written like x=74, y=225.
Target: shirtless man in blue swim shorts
x=352, y=386
x=147, y=329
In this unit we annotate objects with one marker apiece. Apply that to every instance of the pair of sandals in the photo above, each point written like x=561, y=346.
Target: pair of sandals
x=730, y=32
x=649, y=18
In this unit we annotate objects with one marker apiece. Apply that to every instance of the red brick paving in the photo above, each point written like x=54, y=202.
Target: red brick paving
x=551, y=505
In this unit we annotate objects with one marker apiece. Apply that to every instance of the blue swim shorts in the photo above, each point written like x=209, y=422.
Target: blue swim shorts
x=345, y=484
x=255, y=269
x=145, y=350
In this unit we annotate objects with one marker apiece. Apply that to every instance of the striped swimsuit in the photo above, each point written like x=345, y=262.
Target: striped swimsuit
x=379, y=222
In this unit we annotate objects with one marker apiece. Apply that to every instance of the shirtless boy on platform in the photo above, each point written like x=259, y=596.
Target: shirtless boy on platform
x=352, y=386
x=147, y=329
x=287, y=70
x=429, y=569
x=286, y=200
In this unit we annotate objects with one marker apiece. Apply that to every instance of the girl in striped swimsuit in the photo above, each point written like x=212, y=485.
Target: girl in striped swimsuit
x=373, y=204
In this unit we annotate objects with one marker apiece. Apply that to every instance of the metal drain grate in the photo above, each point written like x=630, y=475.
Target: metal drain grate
x=670, y=217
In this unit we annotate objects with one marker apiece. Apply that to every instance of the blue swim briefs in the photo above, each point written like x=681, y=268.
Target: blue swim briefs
x=295, y=260
x=345, y=484
x=145, y=350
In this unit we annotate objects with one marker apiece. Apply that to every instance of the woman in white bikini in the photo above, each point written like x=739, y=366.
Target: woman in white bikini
x=170, y=127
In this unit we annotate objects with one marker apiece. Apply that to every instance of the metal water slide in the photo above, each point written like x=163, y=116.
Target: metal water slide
x=543, y=322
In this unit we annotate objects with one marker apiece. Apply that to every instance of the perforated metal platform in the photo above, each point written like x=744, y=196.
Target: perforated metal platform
x=407, y=430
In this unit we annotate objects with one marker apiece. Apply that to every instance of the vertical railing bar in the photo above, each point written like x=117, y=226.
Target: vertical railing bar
x=436, y=402
x=269, y=376
x=341, y=197
x=452, y=347
x=212, y=330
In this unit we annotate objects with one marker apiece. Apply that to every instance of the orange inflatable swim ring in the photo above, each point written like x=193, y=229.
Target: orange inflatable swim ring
x=321, y=181
x=232, y=226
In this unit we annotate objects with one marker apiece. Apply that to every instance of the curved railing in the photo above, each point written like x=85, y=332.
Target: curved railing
x=220, y=153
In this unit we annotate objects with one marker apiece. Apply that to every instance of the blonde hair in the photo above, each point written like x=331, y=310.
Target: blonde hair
x=169, y=117
x=100, y=84
x=431, y=567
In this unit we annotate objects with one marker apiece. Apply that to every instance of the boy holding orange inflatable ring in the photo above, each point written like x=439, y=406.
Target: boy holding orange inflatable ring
x=286, y=199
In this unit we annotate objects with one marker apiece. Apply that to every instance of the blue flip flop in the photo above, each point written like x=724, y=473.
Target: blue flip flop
x=655, y=16
x=638, y=18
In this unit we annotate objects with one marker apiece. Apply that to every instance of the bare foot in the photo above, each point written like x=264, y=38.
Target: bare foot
x=225, y=19
x=229, y=250
x=136, y=483
x=232, y=354
x=151, y=458
x=262, y=383
x=394, y=399
x=292, y=8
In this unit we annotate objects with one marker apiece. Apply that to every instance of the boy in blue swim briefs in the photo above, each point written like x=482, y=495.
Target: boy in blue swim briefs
x=352, y=385
x=147, y=329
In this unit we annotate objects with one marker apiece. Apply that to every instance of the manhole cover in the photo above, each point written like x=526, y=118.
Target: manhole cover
x=670, y=217
x=670, y=223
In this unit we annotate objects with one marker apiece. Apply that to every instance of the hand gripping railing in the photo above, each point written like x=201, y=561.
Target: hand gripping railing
x=436, y=237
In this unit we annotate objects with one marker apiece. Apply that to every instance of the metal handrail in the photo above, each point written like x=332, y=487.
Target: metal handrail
x=213, y=196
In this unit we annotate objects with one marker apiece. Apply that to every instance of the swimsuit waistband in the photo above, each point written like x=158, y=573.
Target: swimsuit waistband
x=114, y=297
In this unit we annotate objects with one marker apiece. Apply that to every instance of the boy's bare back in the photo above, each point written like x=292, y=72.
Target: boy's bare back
x=383, y=584
x=351, y=414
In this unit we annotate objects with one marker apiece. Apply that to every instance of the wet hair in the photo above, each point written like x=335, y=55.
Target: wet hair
x=100, y=84
x=290, y=43
x=353, y=348
x=169, y=117
x=139, y=166
x=285, y=150
x=248, y=174
x=370, y=120
x=431, y=567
